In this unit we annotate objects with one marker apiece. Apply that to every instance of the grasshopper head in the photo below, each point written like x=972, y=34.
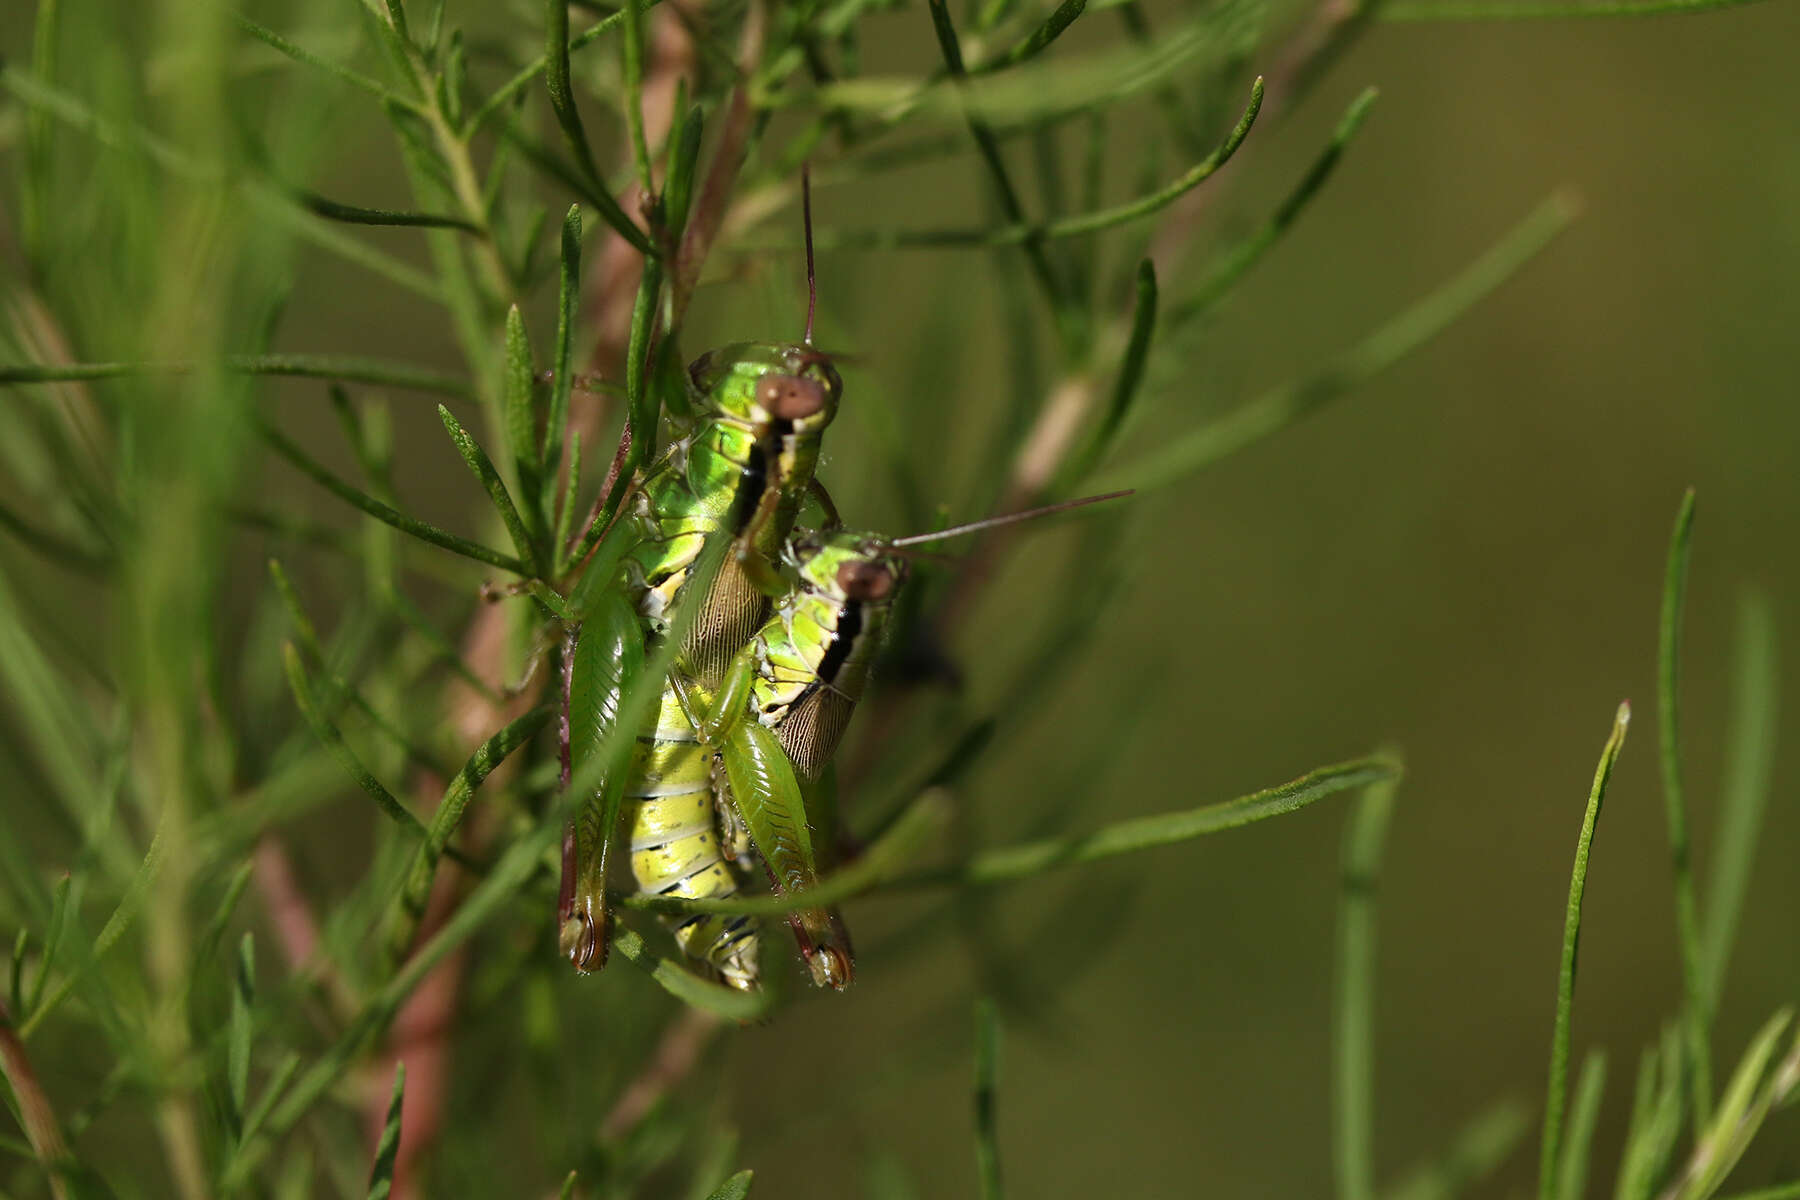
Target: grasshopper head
x=845, y=566
x=763, y=384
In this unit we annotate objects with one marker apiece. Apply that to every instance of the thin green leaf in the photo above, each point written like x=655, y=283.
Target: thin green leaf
x=631, y=48
x=565, y=513
x=688, y=987
x=1656, y=1121
x=238, y=1030
x=1166, y=829
x=278, y=1080
x=1353, y=1092
x=1021, y=232
x=1578, y=1145
x=381, y=512
x=1477, y=1151
x=562, y=362
x=987, y=1072
x=409, y=905
x=1405, y=333
x=340, y=750
x=339, y=688
x=1532, y=10
x=1749, y=771
x=1695, y=1022
x=483, y=469
x=641, y=401
x=1237, y=261
x=922, y=820
x=307, y=58
x=387, y=1150
x=568, y=118
x=530, y=71
x=130, y=904
x=349, y=368
x=1035, y=42
x=1557, y=1092
x=1005, y=194
x=520, y=424
x=351, y=214
x=1125, y=388
x=1742, y=1107
x=58, y=725
x=684, y=157
x=1781, y=1191
x=735, y=1188
x=54, y=547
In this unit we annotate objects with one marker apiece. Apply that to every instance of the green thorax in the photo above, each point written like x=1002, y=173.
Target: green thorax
x=814, y=654
x=742, y=469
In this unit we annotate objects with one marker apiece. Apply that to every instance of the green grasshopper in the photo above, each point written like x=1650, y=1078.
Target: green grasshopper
x=799, y=679
x=741, y=471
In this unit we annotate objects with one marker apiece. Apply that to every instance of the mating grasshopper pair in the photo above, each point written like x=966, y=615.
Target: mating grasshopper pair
x=774, y=630
x=768, y=669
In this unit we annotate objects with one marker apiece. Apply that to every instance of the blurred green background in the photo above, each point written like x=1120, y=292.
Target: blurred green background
x=1463, y=558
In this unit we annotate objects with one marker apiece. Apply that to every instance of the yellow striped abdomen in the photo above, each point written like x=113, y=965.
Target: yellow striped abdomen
x=675, y=848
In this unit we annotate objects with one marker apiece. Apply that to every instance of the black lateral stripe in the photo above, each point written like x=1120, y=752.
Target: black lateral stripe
x=849, y=628
x=751, y=482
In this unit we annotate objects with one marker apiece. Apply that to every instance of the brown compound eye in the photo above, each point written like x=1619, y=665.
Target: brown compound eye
x=865, y=580
x=789, y=397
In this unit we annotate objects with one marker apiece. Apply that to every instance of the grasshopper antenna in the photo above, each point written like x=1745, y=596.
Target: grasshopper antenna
x=812, y=288
x=1008, y=519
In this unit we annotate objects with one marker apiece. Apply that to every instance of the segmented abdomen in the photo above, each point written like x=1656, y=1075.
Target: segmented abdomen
x=675, y=847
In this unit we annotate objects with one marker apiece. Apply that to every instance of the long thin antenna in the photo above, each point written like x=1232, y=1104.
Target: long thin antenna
x=812, y=288
x=1008, y=519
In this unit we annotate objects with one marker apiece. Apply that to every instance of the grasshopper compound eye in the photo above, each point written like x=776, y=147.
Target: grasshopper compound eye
x=865, y=580
x=790, y=397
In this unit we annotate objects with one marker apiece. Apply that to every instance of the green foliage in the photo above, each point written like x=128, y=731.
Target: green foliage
x=168, y=222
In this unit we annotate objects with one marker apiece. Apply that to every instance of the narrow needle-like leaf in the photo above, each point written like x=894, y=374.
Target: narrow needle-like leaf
x=387, y=1150
x=1534, y=10
x=1749, y=768
x=340, y=750
x=409, y=906
x=1578, y=1144
x=352, y=214
x=987, y=1072
x=1694, y=1019
x=568, y=118
x=1247, y=253
x=1353, y=1104
x=562, y=381
x=1557, y=1092
x=306, y=366
x=1477, y=1150
x=381, y=512
x=688, y=987
x=1021, y=232
x=1166, y=829
x=482, y=467
x=1035, y=42
x=735, y=1188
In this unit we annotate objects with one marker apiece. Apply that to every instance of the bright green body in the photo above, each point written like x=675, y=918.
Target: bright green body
x=741, y=471
x=814, y=655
